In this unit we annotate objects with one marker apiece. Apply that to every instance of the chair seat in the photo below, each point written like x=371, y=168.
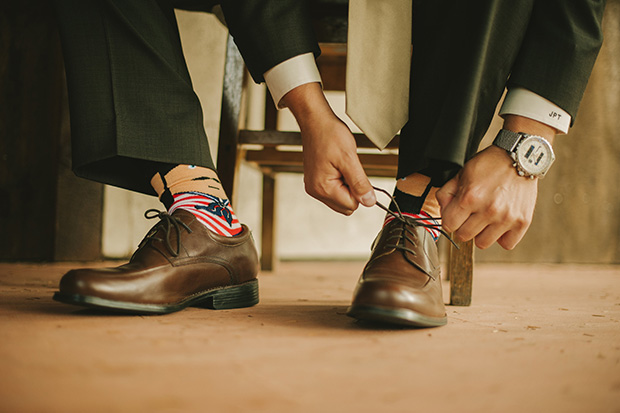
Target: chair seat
x=275, y=151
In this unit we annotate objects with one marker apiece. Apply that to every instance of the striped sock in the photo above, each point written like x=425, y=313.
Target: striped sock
x=422, y=218
x=415, y=207
x=214, y=213
x=198, y=191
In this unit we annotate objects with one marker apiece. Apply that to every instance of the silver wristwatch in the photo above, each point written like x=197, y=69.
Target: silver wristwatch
x=532, y=154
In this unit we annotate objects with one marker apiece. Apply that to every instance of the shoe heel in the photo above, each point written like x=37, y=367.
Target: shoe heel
x=238, y=296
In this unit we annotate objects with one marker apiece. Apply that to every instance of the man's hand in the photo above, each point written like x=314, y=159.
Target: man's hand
x=333, y=173
x=487, y=200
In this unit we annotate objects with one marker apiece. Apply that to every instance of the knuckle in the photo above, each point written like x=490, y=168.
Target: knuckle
x=313, y=186
x=495, y=209
x=518, y=222
x=441, y=195
x=522, y=223
x=312, y=189
x=359, y=185
x=470, y=199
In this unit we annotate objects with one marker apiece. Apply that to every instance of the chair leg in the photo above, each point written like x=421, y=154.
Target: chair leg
x=460, y=273
x=229, y=119
x=268, y=255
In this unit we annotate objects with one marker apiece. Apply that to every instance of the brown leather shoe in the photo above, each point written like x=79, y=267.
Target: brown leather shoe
x=401, y=282
x=179, y=263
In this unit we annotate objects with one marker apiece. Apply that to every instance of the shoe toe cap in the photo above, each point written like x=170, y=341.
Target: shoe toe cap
x=389, y=295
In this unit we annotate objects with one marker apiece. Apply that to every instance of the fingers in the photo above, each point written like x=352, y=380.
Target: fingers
x=334, y=175
x=486, y=209
x=457, y=210
x=510, y=239
x=333, y=193
x=344, y=191
x=475, y=224
x=446, y=193
x=451, y=214
x=507, y=239
x=357, y=182
x=489, y=226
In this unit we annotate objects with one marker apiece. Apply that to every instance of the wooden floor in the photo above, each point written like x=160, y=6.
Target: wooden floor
x=536, y=339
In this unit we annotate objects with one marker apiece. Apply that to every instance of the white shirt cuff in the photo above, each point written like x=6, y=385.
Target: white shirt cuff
x=289, y=74
x=523, y=102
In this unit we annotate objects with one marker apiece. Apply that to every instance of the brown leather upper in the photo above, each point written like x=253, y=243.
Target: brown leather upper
x=178, y=258
x=403, y=272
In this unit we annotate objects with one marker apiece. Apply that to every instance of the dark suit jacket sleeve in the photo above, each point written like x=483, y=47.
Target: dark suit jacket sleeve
x=559, y=50
x=269, y=32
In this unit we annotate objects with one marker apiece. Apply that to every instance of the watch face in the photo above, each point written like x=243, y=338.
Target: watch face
x=534, y=155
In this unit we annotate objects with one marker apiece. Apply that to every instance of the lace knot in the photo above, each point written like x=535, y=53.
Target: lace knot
x=167, y=223
x=409, y=222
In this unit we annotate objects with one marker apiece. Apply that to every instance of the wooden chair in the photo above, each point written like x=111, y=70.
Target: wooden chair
x=270, y=148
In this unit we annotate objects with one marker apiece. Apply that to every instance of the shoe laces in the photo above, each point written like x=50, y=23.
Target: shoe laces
x=167, y=223
x=405, y=231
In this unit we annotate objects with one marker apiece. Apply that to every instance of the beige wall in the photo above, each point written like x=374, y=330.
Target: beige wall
x=578, y=214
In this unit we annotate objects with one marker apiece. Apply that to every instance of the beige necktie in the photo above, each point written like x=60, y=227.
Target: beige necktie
x=378, y=66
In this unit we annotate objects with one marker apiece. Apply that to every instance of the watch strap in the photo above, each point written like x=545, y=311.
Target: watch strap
x=507, y=139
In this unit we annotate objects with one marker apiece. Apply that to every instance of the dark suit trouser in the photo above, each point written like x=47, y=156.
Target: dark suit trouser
x=133, y=106
x=130, y=94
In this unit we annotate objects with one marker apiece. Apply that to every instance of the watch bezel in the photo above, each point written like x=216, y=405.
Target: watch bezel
x=523, y=167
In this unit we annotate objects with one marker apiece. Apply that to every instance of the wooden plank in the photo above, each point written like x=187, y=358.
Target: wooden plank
x=460, y=273
x=268, y=241
x=275, y=138
x=296, y=158
x=298, y=169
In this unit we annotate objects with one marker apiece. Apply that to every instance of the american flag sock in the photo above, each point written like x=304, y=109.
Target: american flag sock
x=412, y=207
x=214, y=213
x=198, y=191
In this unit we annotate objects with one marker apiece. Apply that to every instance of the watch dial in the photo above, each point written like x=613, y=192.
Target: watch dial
x=534, y=155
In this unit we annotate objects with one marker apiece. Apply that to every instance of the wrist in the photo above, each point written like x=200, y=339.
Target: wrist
x=307, y=103
x=522, y=124
x=504, y=160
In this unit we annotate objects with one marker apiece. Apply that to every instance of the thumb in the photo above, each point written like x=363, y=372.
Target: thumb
x=359, y=185
x=446, y=193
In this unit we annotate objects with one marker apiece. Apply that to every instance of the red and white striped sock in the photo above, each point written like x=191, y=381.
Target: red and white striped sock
x=214, y=213
x=197, y=190
x=423, y=218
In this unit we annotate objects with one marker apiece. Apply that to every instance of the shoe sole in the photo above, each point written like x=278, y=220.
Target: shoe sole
x=236, y=296
x=394, y=316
